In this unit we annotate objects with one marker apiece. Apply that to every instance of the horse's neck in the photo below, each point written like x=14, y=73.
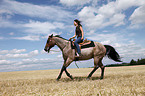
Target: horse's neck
x=61, y=43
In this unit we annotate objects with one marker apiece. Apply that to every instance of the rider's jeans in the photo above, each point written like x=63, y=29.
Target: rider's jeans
x=78, y=40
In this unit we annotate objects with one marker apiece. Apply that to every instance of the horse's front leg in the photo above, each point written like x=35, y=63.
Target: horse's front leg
x=65, y=65
x=68, y=74
x=62, y=69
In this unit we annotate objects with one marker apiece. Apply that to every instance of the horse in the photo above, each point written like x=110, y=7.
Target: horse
x=97, y=52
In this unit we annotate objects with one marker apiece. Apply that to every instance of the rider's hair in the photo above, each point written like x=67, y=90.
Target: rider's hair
x=78, y=22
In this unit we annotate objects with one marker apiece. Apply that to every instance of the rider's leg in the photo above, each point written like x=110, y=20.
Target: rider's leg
x=78, y=40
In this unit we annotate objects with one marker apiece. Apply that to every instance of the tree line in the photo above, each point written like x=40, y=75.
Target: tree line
x=132, y=62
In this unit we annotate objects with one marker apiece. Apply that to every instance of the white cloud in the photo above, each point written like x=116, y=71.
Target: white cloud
x=6, y=62
x=59, y=55
x=5, y=11
x=108, y=10
x=90, y=33
x=125, y=4
x=89, y=17
x=74, y=2
x=4, y=51
x=104, y=16
x=1, y=38
x=12, y=33
x=111, y=14
x=17, y=51
x=130, y=50
x=103, y=37
x=92, y=16
x=126, y=47
x=6, y=23
x=33, y=28
x=13, y=51
x=37, y=27
x=16, y=56
x=5, y=14
x=27, y=64
x=54, y=13
x=138, y=16
x=30, y=38
x=14, y=60
x=35, y=52
x=40, y=61
x=40, y=11
x=116, y=20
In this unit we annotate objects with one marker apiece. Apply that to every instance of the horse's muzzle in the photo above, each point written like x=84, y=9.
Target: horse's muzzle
x=47, y=50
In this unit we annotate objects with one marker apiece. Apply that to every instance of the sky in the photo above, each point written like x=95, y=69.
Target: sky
x=26, y=24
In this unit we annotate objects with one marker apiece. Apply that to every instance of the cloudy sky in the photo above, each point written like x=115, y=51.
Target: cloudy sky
x=26, y=24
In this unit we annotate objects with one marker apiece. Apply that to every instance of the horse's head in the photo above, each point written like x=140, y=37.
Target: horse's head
x=50, y=43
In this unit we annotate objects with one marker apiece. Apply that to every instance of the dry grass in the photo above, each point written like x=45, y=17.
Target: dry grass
x=119, y=81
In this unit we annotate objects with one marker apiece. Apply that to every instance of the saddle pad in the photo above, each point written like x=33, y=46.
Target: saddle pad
x=84, y=46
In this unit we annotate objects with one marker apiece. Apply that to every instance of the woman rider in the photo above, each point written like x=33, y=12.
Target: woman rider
x=80, y=35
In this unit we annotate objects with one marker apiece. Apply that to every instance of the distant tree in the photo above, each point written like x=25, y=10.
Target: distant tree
x=133, y=62
x=142, y=61
x=138, y=60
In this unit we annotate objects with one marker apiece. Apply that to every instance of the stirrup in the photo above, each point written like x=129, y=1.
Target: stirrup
x=78, y=55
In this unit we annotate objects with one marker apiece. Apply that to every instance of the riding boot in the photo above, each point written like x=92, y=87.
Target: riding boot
x=78, y=55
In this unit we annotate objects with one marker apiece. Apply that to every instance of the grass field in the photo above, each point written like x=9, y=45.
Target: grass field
x=118, y=81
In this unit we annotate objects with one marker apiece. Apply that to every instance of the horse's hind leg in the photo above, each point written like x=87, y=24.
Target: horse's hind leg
x=95, y=68
x=96, y=61
x=102, y=70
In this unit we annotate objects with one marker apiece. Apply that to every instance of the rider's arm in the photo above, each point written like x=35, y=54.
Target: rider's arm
x=82, y=32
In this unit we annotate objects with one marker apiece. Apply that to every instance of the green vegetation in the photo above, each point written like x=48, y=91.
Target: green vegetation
x=132, y=62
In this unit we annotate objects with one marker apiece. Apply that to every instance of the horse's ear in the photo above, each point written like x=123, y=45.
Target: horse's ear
x=51, y=36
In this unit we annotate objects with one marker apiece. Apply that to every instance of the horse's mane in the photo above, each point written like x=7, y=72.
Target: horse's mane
x=60, y=37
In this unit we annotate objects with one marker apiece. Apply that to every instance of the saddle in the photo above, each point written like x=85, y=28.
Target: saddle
x=84, y=44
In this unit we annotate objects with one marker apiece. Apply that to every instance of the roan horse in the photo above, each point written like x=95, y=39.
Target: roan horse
x=97, y=52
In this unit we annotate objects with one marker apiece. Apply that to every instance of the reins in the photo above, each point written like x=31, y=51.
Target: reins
x=54, y=50
x=76, y=65
x=63, y=48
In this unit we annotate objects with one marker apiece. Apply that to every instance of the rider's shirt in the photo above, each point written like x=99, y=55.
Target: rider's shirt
x=78, y=31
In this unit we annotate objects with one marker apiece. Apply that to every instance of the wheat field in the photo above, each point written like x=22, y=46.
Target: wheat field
x=118, y=81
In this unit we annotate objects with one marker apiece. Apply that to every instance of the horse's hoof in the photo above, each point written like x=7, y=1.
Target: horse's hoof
x=71, y=77
x=57, y=79
x=87, y=78
x=101, y=78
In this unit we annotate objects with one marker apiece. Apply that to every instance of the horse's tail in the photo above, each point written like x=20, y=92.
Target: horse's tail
x=112, y=54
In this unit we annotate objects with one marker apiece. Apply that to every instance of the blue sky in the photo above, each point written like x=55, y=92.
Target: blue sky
x=26, y=24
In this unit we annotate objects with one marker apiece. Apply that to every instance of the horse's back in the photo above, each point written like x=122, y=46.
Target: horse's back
x=100, y=48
